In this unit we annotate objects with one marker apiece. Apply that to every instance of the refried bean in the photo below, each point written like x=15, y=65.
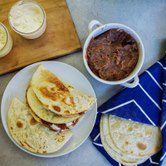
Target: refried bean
x=112, y=55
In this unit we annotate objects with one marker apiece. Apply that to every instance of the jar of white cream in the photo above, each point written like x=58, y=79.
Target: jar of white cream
x=28, y=19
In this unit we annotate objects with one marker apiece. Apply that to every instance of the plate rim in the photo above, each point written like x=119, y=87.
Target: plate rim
x=49, y=155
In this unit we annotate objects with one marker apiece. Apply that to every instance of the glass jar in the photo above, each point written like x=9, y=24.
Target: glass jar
x=6, y=41
x=28, y=19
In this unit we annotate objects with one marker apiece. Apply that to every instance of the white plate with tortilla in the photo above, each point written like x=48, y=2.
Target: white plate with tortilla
x=17, y=88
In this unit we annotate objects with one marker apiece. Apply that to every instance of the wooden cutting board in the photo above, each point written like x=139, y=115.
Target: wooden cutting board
x=59, y=39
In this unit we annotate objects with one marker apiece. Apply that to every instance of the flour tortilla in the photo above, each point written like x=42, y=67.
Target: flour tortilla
x=30, y=134
x=119, y=157
x=45, y=114
x=135, y=138
x=57, y=96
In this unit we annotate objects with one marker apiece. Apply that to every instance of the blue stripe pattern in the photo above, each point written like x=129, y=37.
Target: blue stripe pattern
x=146, y=103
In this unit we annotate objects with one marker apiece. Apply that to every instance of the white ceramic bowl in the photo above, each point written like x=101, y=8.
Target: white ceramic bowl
x=17, y=88
x=95, y=29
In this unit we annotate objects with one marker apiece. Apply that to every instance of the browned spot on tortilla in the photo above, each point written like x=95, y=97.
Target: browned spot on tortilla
x=61, y=138
x=58, y=84
x=141, y=146
x=19, y=124
x=26, y=143
x=53, y=89
x=130, y=129
x=69, y=101
x=44, y=151
x=48, y=94
x=126, y=142
x=72, y=100
x=21, y=143
x=56, y=108
x=33, y=121
x=11, y=128
x=67, y=111
x=56, y=92
x=128, y=161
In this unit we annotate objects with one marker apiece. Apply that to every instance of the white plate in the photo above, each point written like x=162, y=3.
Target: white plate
x=18, y=85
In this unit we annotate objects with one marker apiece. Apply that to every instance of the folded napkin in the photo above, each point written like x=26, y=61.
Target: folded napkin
x=145, y=103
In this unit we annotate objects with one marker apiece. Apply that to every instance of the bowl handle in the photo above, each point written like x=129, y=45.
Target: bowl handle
x=93, y=25
x=132, y=84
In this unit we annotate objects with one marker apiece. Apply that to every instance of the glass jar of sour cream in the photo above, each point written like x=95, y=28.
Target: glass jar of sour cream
x=6, y=41
x=28, y=19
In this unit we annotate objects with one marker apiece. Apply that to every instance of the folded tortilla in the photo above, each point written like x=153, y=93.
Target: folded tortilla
x=57, y=96
x=120, y=157
x=30, y=134
x=117, y=134
x=45, y=114
x=135, y=138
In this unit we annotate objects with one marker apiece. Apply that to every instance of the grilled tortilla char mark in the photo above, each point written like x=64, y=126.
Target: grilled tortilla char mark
x=55, y=91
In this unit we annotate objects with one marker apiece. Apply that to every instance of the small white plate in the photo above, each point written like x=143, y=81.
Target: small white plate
x=17, y=88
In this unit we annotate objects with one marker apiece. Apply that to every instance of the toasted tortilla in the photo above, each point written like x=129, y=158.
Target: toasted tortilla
x=45, y=114
x=134, y=138
x=112, y=151
x=30, y=134
x=57, y=96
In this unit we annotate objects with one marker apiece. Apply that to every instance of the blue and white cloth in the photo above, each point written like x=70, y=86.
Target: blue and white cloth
x=145, y=103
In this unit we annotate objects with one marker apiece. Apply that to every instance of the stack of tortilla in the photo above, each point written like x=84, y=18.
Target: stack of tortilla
x=129, y=142
x=53, y=108
x=55, y=104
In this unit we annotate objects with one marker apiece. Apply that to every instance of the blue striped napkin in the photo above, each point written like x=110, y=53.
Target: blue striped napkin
x=145, y=103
